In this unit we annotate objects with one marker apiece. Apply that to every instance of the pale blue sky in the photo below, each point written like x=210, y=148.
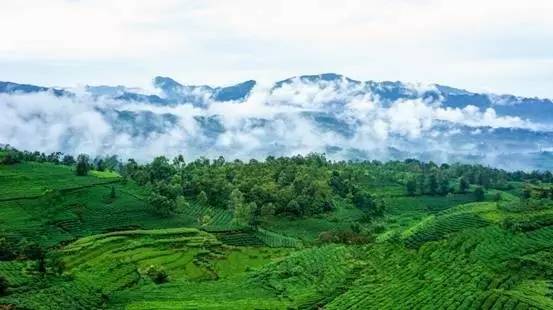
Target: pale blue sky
x=502, y=46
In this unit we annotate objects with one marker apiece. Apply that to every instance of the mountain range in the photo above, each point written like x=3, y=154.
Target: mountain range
x=330, y=113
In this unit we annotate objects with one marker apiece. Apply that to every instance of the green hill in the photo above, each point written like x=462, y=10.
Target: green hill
x=290, y=233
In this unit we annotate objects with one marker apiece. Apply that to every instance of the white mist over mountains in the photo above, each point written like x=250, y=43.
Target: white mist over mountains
x=330, y=114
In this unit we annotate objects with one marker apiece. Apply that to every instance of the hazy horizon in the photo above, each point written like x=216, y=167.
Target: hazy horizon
x=485, y=46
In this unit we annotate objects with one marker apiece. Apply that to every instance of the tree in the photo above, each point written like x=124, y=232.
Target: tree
x=100, y=165
x=443, y=186
x=141, y=177
x=157, y=274
x=206, y=218
x=338, y=184
x=111, y=163
x=178, y=161
x=35, y=252
x=182, y=204
x=293, y=207
x=420, y=184
x=83, y=165
x=130, y=167
x=483, y=180
x=463, y=185
x=202, y=199
x=160, y=169
x=3, y=285
x=526, y=192
x=7, y=249
x=431, y=184
x=163, y=205
x=267, y=210
x=11, y=158
x=236, y=199
x=411, y=187
x=364, y=201
x=479, y=193
x=244, y=213
x=68, y=160
x=57, y=264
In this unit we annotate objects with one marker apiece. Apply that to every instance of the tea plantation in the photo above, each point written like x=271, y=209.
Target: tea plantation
x=289, y=233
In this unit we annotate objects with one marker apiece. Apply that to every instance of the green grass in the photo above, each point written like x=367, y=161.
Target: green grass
x=104, y=174
x=33, y=179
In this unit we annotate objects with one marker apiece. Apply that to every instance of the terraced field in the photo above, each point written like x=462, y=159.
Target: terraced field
x=193, y=260
x=458, y=259
x=426, y=252
x=469, y=271
x=221, y=220
x=61, y=216
x=116, y=260
x=31, y=180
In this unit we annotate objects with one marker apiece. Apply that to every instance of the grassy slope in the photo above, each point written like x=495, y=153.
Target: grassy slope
x=433, y=252
x=33, y=179
x=308, y=229
x=77, y=206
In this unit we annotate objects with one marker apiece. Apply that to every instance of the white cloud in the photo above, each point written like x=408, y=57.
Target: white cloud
x=264, y=124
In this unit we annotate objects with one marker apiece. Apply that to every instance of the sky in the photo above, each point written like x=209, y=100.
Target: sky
x=500, y=46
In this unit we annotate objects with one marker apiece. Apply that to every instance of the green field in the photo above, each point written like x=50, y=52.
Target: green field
x=105, y=246
x=30, y=179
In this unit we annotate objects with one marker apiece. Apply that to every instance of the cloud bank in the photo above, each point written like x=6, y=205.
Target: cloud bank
x=297, y=118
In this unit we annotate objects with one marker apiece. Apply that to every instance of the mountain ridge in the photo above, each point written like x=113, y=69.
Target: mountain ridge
x=170, y=85
x=308, y=113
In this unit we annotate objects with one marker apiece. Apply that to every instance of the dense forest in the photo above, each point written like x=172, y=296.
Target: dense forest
x=288, y=232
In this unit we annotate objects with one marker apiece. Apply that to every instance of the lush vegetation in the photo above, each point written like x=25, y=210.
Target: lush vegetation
x=284, y=233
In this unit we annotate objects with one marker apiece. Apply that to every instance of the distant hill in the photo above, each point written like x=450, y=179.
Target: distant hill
x=346, y=118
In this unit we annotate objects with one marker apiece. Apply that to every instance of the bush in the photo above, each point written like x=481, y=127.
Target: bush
x=7, y=250
x=161, y=204
x=157, y=274
x=182, y=205
x=83, y=165
x=34, y=251
x=345, y=237
x=479, y=193
x=10, y=158
x=3, y=285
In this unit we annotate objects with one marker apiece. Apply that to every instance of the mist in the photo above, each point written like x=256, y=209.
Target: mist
x=297, y=118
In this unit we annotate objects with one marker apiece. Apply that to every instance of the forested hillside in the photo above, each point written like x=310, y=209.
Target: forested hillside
x=297, y=232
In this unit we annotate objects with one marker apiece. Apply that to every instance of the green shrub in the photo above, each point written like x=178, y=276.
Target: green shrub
x=3, y=285
x=157, y=274
x=479, y=193
x=83, y=165
x=10, y=158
